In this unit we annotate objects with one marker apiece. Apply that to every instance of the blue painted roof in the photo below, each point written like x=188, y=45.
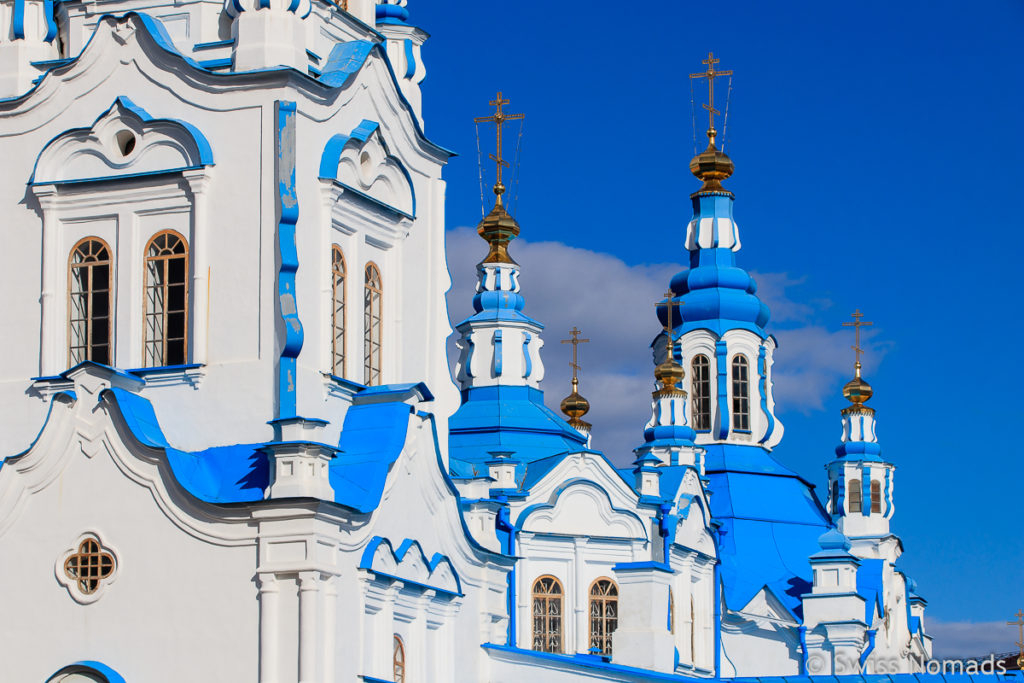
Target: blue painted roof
x=770, y=524
x=870, y=586
x=506, y=419
x=372, y=438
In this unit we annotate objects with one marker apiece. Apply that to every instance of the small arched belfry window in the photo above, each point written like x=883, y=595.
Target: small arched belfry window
x=876, y=496
x=372, y=323
x=547, y=614
x=165, y=301
x=337, y=311
x=89, y=302
x=740, y=394
x=700, y=392
x=855, y=495
x=398, y=660
x=604, y=614
x=835, y=497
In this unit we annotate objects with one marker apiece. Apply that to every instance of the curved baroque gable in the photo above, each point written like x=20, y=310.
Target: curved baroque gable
x=123, y=141
x=360, y=161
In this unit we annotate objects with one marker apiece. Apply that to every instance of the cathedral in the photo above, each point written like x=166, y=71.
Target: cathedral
x=233, y=448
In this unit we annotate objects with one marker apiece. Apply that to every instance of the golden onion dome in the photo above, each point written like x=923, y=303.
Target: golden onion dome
x=857, y=391
x=712, y=166
x=670, y=374
x=498, y=228
x=575, y=406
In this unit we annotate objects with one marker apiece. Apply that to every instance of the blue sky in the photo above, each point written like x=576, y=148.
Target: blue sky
x=878, y=151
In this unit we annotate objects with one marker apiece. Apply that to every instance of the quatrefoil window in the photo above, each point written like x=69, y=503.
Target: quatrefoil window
x=87, y=568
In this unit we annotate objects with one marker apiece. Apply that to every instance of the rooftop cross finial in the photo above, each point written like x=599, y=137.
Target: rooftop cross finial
x=670, y=295
x=711, y=74
x=499, y=117
x=1020, y=629
x=856, y=325
x=575, y=341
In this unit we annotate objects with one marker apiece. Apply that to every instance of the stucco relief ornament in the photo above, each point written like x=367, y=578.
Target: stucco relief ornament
x=87, y=568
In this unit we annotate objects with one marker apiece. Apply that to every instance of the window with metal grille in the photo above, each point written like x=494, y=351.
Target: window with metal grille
x=165, y=307
x=89, y=566
x=89, y=302
x=700, y=392
x=547, y=614
x=604, y=614
x=855, y=494
x=398, y=659
x=372, y=323
x=740, y=394
x=337, y=311
x=876, y=496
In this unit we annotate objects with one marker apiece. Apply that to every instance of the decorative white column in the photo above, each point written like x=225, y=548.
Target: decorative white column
x=330, y=591
x=269, y=33
x=269, y=597
x=642, y=638
x=580, y=608
x=309, y=595
x=29, y=31
x=198, y=183
x=50, y=362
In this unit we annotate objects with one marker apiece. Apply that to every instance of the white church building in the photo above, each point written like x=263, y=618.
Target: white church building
x=232, y=447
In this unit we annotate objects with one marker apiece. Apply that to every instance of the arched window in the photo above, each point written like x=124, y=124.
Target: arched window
x=876, y=496
x=740, y=394
x=337, y=311
x=372, y=322
x=700, y=392
x=547, y=614
x=604, y=614
x=398, y=659
x=165, y=301
x=855, y=495
x=89, y=302
x=835, y=497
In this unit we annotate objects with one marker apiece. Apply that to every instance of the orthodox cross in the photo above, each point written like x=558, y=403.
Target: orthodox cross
x=1020, y=628
x=668, y=320
x=575, y=341
x=711, y=74
x=499, y=117
x=856, y=325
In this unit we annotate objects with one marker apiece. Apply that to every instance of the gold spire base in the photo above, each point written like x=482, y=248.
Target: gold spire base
x=712, y=166
x=498, y=228
x=580, y=425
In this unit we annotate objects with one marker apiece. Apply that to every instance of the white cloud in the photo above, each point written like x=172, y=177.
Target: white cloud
x=613, y=304
x=954, y=639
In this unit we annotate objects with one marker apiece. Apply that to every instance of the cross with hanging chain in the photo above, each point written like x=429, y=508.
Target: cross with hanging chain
x=856, y=325
x=575, y=341
x=1020, y=628
x=499, y=117
x=711, y=74
x=670, y=304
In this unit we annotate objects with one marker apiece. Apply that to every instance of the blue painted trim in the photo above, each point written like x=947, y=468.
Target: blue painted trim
x=51, y=22
x=803, y=650
x=497, y=353
x=288, y=205
x=578, y=481
x=374, y=200
x=507, y=535
x=643, y=567
x=865, y=491
x=331, y=157
x=867, y=651
x=220, y=63
x=200, y=141
x=61, y=396
x=51, y=63
x=366, y=562
x=92, y=667
x=527, y=361
x=312, y=55
x=263, y=4
x=371, y=679
x=18, y=20
x=410, y=60
x=722, y=389
x=717, y=578
x=887, y=494
x=162, y=369
x=762, y=385
x=213, y=44
x=347, y=384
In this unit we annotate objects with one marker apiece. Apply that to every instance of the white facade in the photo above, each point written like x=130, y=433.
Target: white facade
x=232, y=449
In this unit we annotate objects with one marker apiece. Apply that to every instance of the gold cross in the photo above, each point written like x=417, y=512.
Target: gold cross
x=668, y=320
x=575, y=341
x=499, y=118
x=711, y=74
x=856, y=325
x=1020, y=627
